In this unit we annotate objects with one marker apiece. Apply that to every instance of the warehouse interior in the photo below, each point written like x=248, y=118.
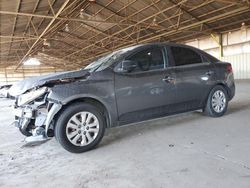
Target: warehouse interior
x=40, y=37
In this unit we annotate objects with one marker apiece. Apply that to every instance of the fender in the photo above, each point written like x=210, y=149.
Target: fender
x=112, y=114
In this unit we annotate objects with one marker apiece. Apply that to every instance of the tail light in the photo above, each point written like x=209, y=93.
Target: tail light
x=229, y=68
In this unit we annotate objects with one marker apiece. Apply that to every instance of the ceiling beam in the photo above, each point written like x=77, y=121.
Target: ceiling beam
x=12, y=41
x=44, y=31
x=14, y=25
x=239, y=2
x=141, y=21
x=60, y=18
x=198, y=23
x=15, y=37
x=45, y=13
x=114, y=12
x=109, y=17
x=51, y=7
x=118, y=11
x=52, y=31
x=145, y=39
x=29, y=21
x=139, y=11
x=207, y=31
x=146, y=7
x=123, y=17
x=160, y=28
x=189, y=13
x=171, y=28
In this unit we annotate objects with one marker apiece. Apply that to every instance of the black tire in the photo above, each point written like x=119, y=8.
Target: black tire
x=209, y=110
x=60, y=128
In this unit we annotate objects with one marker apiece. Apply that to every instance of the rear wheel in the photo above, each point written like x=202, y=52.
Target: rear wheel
x=217, y=102
x=80, y=128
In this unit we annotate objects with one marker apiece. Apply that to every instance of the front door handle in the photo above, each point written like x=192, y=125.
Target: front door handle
x=168, y=79
x=209, y=73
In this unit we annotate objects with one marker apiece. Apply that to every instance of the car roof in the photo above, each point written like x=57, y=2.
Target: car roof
x=166, y=44
x=141, y=46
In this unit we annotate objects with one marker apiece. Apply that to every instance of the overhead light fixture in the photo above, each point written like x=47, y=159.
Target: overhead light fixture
x=46, y=43
x=66, y=28
x=81, y=13
x=102, y=44
x=92, y=1
x=154, y=22
x=243, y=32
x=32, y=61
x=243, y=26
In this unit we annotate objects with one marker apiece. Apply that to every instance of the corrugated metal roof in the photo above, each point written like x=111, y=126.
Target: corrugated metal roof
x=96, y=28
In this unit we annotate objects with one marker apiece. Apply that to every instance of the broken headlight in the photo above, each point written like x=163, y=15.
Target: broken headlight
x=31, y=95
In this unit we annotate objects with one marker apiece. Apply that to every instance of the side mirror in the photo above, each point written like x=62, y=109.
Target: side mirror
x=127, y=66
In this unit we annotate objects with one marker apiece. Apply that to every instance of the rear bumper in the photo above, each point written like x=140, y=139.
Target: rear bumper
x=229, y=82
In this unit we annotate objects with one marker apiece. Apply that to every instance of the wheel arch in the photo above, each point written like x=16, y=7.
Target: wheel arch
x=224, y=85
x=89, y=100
x=217, y=84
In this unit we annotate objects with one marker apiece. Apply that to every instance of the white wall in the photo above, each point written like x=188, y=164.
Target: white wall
x=236, y=50
x=240, y=64
x=9, y=76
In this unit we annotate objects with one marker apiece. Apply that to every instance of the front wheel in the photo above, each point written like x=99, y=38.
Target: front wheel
x=80, y=127
x=217, y=102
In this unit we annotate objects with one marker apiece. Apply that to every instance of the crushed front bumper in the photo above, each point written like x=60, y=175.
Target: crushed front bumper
x=23, y=117
x=24, y=112
x=37, y=117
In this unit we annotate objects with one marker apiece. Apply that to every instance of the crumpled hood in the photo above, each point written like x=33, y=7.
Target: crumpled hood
x=22, y=86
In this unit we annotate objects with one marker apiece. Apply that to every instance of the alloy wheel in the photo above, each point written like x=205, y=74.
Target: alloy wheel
x=82, y=128
x=218, y=101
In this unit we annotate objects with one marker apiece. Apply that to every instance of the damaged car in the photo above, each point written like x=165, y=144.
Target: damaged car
x=126, y=86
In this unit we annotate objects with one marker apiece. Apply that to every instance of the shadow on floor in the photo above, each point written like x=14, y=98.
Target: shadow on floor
x=119, y=133
x=237, y=107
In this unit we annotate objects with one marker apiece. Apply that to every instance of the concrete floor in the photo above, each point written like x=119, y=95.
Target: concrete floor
x=188, y=150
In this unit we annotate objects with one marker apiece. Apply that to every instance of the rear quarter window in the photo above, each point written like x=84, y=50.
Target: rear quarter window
x=185, y=56
x=209, y=57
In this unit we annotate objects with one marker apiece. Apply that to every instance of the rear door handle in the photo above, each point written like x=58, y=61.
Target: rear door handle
x=168, y=79
x=209, y=73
